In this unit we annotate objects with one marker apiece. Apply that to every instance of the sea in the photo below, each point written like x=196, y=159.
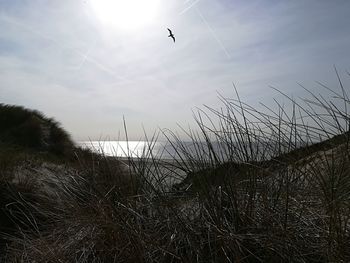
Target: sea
x=171, y=151
x=168, y=155
x=152, y=150
x=133, y=149
x=162, y=176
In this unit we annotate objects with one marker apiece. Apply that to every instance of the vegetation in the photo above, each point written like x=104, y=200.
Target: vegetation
x=30, y=129
x=253, y=186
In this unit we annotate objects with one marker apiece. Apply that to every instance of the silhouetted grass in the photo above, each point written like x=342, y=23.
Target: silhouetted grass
x=257, y=186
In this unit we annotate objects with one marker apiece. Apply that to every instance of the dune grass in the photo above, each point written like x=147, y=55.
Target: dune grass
x=256, y=186
x=30, y=129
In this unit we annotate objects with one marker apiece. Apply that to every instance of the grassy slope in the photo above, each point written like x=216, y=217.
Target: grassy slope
x=37, y=158
x=30, y=129
x=293, y=208
x=236, y=171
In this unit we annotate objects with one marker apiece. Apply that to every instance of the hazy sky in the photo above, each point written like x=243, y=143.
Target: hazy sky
x=87, y=64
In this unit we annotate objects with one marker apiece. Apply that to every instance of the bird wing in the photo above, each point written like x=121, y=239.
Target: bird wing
x=170, y=31
x=172, y=36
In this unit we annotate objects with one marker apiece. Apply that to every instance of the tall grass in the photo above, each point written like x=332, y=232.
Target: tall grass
x=269, y=185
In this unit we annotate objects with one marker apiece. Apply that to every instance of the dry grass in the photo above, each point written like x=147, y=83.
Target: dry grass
x=261, y=186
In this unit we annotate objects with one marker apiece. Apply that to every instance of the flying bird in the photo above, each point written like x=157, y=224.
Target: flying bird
x=171, y=35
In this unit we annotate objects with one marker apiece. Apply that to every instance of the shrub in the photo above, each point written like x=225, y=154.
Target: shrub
x=31, y=129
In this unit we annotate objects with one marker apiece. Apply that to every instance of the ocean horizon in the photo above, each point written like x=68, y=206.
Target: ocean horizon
x=134, y=149
x=160, y=149
x=183, y=149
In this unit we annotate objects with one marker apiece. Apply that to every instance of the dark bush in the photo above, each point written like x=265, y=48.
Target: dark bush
x=31, y=129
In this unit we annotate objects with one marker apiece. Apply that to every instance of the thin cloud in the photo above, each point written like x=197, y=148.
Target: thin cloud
x=100, y=74
x=189, y=7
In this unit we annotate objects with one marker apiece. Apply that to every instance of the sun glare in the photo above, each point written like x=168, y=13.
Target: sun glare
x=125, y=14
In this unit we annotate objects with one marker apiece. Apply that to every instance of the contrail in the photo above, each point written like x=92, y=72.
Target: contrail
x=213, y=33
x=189, y=7
x=85, y=56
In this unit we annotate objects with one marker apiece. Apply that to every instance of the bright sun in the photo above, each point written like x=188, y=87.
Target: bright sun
x=126, y=14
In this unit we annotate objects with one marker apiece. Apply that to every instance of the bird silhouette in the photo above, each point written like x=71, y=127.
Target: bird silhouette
x=171, y=35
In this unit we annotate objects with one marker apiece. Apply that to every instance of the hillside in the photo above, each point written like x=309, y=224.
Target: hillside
x=334, y=149
x=60, y=203
x=41, y=172
x=30, y=129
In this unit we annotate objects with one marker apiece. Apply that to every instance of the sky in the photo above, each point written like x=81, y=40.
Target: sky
x=88, y=64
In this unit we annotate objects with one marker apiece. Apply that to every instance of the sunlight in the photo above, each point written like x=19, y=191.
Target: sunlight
x=125, y=14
